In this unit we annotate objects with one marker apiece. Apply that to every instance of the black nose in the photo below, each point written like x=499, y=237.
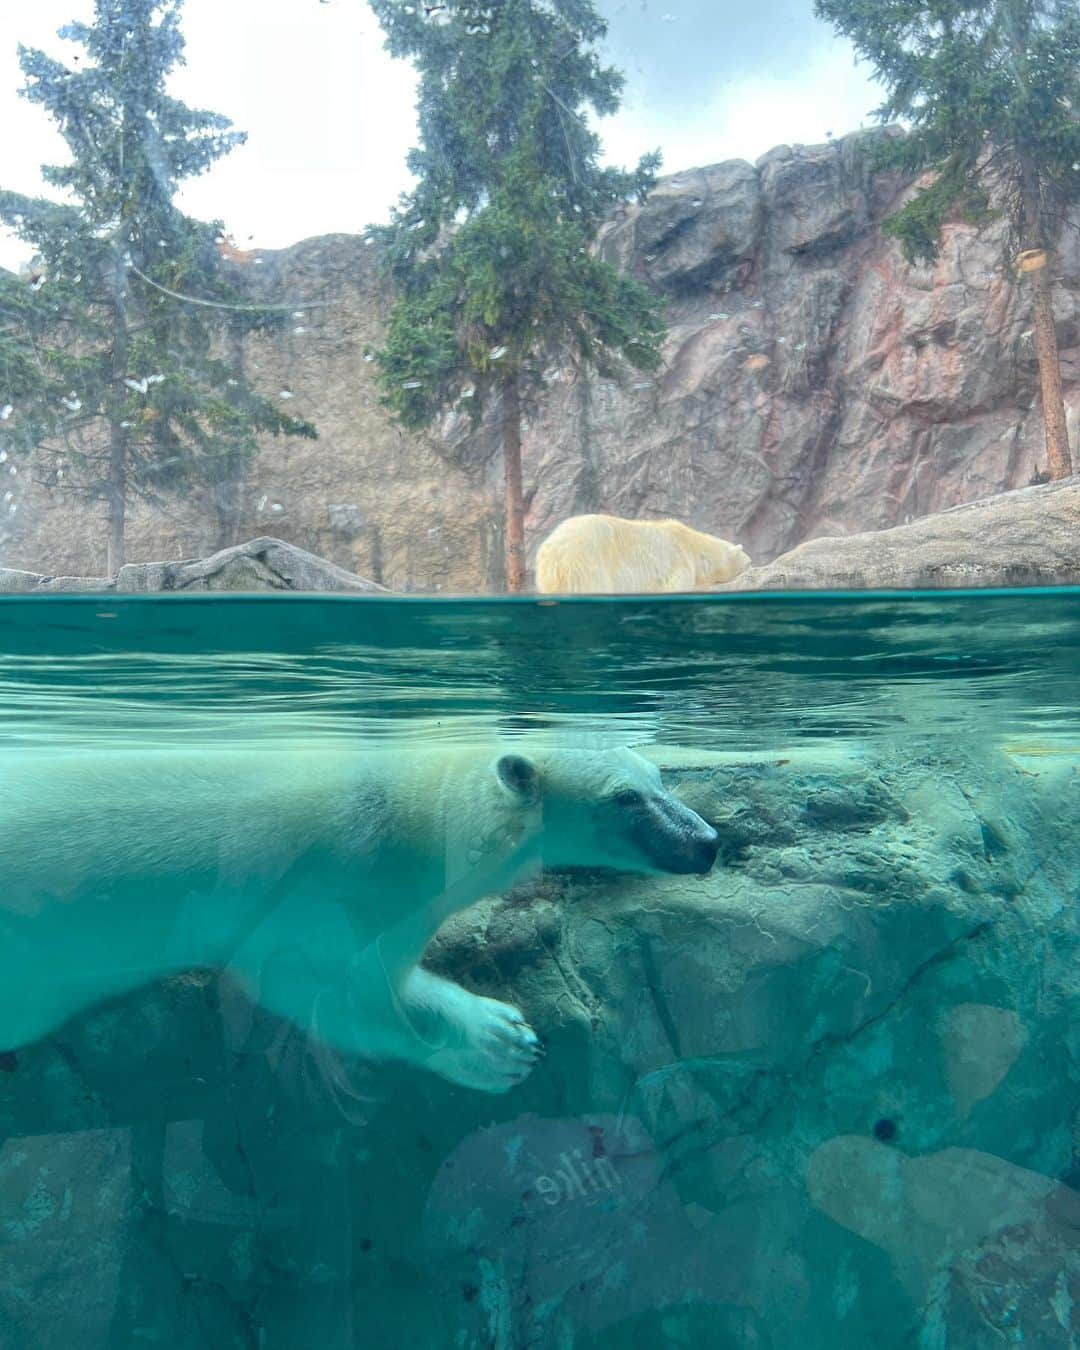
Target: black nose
x=707, y=850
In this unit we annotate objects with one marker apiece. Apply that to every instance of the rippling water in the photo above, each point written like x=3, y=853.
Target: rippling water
x=719, y=672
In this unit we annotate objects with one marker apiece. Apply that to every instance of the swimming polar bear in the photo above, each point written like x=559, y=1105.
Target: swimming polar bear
x=317, y=878
x=606, y=555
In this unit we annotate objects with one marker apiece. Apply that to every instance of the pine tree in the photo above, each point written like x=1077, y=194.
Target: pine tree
x=991, y=92
x=114, y=351
x=492, y=249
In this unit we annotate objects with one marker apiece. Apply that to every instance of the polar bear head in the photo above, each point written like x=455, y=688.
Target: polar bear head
x=608, y=809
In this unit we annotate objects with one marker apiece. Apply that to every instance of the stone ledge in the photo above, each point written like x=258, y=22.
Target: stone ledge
x=263, y=564
x=15, y=582
x=1028, y=537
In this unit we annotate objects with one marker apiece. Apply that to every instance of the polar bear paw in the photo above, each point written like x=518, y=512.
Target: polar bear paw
x=497, y=1049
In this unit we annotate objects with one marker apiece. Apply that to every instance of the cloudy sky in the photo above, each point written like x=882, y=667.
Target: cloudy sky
x=329, y=115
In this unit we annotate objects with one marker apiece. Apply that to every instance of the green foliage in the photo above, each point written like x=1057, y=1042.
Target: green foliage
x=492, y=250
x=953, y=193
x=91, y=349
x=986, y=87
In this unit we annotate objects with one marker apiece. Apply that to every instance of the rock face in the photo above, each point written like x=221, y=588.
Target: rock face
x=814, y=384
x=827, y=1096
x=1030, y=537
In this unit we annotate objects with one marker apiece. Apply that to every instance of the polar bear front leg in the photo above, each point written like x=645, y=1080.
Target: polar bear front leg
x=477, y=1042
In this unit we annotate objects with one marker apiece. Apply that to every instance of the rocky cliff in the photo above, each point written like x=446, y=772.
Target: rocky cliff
x=815, y=384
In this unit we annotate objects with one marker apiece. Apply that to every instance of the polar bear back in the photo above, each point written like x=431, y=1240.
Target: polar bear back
x=602, y=554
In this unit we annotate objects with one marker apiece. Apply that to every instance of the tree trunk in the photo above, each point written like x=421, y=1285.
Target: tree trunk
x=116, y=488
x=1058, y=459
x=227, y=491
x=515, y=509
x=117, y=497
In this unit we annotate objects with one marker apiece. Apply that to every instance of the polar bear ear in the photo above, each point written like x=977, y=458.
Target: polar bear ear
x=519, y=776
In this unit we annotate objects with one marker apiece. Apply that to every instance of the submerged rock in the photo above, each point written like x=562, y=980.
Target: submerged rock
x=827, y=1096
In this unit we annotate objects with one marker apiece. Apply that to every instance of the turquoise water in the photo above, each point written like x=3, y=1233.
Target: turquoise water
x=763, y=1033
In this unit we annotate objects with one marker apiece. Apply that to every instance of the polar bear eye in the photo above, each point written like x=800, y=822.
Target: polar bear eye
x=628, y=797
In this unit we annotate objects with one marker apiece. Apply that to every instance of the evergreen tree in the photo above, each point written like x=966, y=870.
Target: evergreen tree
x=991, y=92
x=492, y=249
x=114, y=355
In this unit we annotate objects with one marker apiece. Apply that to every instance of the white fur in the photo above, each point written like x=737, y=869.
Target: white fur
x=606, y=555
x=316, y=877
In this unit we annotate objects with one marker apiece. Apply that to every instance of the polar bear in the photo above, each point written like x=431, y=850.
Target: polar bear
x=609, y=555
x=316, y=877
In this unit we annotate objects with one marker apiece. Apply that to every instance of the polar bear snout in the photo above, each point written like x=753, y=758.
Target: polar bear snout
x=703, y=853
x=676, y=839
x=698, y=855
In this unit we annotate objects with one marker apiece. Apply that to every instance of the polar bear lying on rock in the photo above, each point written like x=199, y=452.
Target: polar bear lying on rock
x=317, y=878
x=606, y=555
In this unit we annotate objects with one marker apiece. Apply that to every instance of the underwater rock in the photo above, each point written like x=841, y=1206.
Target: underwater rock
x=826, y=1096
x=982, y=1241
x=980, y=1044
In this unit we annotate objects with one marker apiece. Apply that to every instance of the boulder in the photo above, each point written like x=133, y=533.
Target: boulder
x=1030, y=537
x=260, y=565
x=16, y=582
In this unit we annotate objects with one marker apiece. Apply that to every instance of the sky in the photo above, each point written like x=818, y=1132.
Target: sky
x=329, y=115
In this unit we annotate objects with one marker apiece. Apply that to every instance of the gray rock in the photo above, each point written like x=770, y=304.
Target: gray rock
x=261, y=565
x=345, y=517
x=695, y=227
x=1030, y=537
x=15, y=582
